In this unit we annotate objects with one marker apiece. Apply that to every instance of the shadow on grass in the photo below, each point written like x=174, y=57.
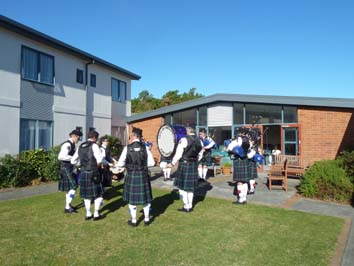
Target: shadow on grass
x=113, y=192
x=200, y=192
x=160, y=204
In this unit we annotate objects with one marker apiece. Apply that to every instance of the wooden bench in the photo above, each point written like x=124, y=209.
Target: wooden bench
x=296, y=165
x=278, y=172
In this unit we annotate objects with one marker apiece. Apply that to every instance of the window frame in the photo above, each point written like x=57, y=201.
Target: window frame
x=38, y=70
x=93, y=78
x=81, y=72
x=36, y=133
x=118, y=97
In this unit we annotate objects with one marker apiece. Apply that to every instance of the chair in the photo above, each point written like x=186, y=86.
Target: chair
x=216, y=165
x=278, y=172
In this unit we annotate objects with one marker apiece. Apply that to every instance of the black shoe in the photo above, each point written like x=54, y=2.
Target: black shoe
x=147, y=223
x=251, y=192
x=239, y=203
x=132, y=224
x=184, y=210
x=87, y=218
x=99, y=217
x=70, y=210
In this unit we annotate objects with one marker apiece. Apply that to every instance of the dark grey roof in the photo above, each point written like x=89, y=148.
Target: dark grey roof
x=243, y=98
x=43, y=38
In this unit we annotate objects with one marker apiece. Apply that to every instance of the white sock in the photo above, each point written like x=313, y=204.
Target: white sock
x=205, y=171
x=200, y=172
x=69, y=198
x=243, y=194
x=147, y=212
x=190, y=200
x=98, y=203
x=132, y=210
x=164, y=172
x=239, y=191
x=168, y=172
x=88, y=207
x=252, y=185
x=184, y=198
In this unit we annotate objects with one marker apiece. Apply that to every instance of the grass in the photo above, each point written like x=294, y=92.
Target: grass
x=35, y=231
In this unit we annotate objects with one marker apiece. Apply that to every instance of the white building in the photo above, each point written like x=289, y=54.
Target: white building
x=48, y=88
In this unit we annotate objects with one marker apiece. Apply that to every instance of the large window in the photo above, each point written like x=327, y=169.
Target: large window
x=290, y=114
x=120, y=133
x=203, y=116
x=185, y=118
x=263, y=114
x=238, y=113
x=119, y=90
x=35, y=134
x=37, y=66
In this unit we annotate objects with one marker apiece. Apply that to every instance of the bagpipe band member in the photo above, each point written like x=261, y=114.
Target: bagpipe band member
x=188, y=153
x=90, y=158
x=239, y=148
x=165, y=165
x=107, y=162
x=252, y=164
x=68, y=182
x=205, y=162
x=136, y=158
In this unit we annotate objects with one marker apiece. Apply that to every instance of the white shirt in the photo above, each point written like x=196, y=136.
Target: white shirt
x=183, y=143
x=276, y=152
x=96, y=153
x=123, y=156
x=64, y=152
x=103, y=152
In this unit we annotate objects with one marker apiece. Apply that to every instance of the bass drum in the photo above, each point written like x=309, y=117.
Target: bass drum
x=168, y=138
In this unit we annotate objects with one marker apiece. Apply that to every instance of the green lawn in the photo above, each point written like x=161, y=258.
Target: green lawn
x=35, y=231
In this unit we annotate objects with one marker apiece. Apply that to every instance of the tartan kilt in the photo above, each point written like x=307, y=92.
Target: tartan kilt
x=187, y=176
x=241, y=171
x=67, y=179
x=206, y=159
x=88, y=189
x=137, y=187
x=252, y=169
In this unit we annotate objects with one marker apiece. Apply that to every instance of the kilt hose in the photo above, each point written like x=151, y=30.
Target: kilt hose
x=206, y=159
x=241, y=170
x=187, y=176
x=88, y=189
x=252, y=169
x=67, y=178
x=137, y=187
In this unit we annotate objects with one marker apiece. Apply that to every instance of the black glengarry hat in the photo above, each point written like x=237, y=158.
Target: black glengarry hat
x=138, y=132
x=76, y=132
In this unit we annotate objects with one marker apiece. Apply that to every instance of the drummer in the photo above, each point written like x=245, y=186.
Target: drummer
x=205, y=162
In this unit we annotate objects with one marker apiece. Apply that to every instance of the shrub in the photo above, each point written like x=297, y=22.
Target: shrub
x=37, y=159
x=348, y=164
x=327, y=180
x=52, y=168
x=14, y=172
x=115, y=146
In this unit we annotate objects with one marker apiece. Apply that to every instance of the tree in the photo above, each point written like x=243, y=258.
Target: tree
x=147, y=102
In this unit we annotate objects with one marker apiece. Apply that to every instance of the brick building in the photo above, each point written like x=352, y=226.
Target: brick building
x=312, y=127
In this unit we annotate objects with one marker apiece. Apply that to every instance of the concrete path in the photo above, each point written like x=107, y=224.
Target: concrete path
x=221, y=187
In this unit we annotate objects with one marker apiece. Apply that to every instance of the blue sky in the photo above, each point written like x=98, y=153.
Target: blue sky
x=265, y=47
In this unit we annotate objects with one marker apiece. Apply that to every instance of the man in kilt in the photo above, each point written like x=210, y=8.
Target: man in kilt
x=136, y=158
x=107, y=162
x=252, y=165
x=205, y=162
x=241, y=169
x=68, y=182
x=188, y=153
x=90, y=158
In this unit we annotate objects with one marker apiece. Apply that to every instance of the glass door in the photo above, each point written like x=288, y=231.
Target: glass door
x=290, y=143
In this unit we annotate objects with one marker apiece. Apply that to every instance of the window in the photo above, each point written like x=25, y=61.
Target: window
x=35, y=134
x=289, y=114
x=37, y=66
x=79, y=76
x=119, y=90
x=238, y=113
x=120, y=133
x=263, y=114
x=186, y=118
x=93, y=80
x=202, y=111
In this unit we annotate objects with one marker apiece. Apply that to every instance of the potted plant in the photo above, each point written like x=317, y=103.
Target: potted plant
x=226, y=168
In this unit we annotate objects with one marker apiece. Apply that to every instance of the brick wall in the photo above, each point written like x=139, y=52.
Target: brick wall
x=325, y=132
x=150, y=128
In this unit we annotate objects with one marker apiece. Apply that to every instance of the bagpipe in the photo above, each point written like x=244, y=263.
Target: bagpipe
x=168, y=137
x=245, y=145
